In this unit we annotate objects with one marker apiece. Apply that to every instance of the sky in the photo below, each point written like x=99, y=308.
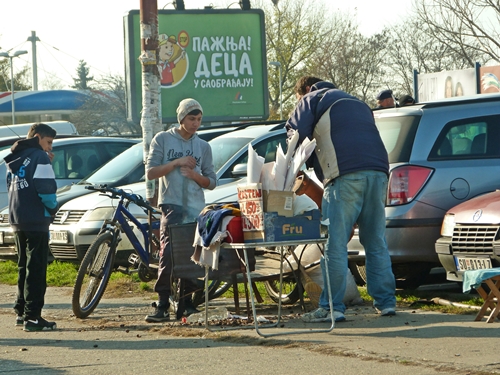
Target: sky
x=92, y=30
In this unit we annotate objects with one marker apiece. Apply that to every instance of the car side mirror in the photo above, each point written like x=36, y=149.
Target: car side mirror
x=239, y=170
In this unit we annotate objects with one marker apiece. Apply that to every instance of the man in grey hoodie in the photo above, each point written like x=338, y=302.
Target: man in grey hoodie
x=184, y=166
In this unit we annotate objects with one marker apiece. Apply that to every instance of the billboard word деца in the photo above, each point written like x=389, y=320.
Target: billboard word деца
x=217, y=57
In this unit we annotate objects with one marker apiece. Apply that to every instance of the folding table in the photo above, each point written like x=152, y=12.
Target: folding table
x=281, y=245
x=490, y=277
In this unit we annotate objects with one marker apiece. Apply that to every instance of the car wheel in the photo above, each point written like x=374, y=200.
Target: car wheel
x=411, y=275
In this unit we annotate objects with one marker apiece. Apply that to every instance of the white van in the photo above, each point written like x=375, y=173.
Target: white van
x=21, y=130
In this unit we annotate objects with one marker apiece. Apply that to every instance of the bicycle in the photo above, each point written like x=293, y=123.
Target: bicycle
x=97, y=264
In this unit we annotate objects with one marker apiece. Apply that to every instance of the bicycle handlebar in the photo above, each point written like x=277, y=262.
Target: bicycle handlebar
x=115, y=193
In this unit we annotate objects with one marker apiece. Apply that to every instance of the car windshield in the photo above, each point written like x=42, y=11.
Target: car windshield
x=223, y=148
x=117, y=167
x=398, y=133
x=4, y=153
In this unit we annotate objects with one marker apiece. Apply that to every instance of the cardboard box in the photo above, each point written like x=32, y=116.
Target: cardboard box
x=261, y=226
x=302, y=227
x=279, y=201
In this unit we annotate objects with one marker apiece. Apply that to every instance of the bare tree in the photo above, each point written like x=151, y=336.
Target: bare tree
x=294, y=32
x=52, y=82
x=464, y=26
x=353, y=62
x=21, y=77
x=414, y=45
x=105, y=110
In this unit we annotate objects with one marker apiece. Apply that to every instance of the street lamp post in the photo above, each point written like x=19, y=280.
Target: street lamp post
x=278, y=64
x=6, y=54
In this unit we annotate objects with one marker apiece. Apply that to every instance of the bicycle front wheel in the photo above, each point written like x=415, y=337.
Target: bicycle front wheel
x=93, y=275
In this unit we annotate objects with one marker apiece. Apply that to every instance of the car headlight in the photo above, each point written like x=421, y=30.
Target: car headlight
x=448, y=225
x=101, y=214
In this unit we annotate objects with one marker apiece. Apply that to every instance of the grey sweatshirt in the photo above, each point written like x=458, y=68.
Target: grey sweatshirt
x=174, y=188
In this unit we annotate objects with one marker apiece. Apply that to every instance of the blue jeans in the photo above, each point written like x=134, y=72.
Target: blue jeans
x=357, y=197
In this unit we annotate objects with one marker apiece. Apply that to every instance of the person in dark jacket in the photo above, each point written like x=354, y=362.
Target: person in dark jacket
x=351, y=161
x=32, y=203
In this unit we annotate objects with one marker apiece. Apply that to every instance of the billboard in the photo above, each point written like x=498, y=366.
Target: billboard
x=216, y=56
x=490, y=79
x=433, y=86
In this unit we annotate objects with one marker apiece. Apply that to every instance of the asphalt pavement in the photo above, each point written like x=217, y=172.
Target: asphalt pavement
x=116, y=340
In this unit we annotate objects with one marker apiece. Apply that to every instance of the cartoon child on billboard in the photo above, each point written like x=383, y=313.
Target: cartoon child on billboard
x=170, y=54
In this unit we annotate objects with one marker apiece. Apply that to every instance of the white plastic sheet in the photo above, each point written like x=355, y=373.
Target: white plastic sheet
x=280, y=169
x=302, y=153
x=279, y=175
x=254, y=166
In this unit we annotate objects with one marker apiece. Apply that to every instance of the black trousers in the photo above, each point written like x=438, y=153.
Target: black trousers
x=171, y=214
x=32, y=250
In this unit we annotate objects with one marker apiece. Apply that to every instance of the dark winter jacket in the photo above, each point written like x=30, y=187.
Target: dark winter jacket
x=347, y=139
x=31, y=185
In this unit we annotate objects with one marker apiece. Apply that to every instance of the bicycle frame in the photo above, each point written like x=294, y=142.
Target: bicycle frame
x=119, y=221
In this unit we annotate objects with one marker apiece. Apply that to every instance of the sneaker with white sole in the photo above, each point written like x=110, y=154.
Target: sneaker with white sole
x=339, y=317
x=161, y=314
x=388, y=312
x=39, y=324
x=322, y=315
x=317, y=316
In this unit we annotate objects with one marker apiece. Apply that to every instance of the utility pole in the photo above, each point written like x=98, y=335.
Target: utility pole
x=150, y=116
x=33, y=39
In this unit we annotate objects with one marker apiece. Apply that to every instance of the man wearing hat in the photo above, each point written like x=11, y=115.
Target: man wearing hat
x=183, y=164
x=406, y=100
x=385, y=99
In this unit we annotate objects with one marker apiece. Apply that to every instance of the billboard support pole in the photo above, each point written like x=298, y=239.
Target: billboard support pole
x=477, y=67
x=150, y=115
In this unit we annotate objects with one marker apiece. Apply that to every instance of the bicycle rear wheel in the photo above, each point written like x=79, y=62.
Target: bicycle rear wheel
x=93, y=275
x=289, y=294
x=216, y=288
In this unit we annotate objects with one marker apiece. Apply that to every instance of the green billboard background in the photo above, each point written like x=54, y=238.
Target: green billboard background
x=217, y=57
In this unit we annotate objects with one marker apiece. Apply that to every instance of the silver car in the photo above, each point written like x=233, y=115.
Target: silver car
x=440, y=154
x=73, y=159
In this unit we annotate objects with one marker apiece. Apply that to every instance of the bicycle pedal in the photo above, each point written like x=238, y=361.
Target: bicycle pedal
x=134, y=260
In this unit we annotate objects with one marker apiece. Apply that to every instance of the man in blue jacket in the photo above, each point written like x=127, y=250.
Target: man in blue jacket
x=351, y=161
x=32, y=203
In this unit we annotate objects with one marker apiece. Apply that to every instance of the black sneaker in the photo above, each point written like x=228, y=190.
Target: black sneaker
x=190, y=309
x=19, y=321
x=39, y=324
x=161, y=314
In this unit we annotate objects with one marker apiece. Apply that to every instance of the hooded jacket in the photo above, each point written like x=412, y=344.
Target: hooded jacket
x=32, y=187
x=347, y=139
x=174, y=188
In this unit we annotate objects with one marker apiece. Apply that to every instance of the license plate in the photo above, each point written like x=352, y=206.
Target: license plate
x=59, y=236
x=464, y=264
